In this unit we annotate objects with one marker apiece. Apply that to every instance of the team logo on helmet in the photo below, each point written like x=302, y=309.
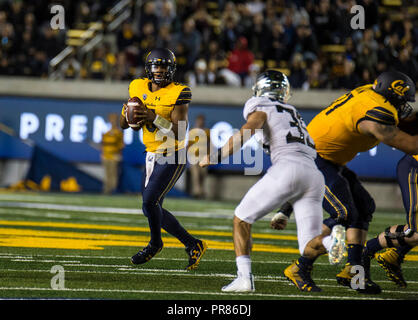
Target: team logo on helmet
x=399, y=87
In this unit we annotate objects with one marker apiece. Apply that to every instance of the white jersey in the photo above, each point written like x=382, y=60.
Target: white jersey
x=284, y=132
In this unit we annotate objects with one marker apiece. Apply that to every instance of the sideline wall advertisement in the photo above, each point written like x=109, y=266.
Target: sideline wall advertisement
x=72, y=131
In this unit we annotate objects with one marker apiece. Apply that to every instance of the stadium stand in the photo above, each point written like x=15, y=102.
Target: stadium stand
x=216, y=42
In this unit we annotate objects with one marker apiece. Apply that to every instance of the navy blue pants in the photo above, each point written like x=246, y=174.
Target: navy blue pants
x=346, y=200
x=162, y=179
x=407, y=173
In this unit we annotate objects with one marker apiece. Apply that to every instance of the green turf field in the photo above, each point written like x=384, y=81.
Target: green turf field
x=92, y=237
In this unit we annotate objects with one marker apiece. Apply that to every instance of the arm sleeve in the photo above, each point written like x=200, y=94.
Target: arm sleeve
x=382, y=116
x=249, y=107
x=184, y=97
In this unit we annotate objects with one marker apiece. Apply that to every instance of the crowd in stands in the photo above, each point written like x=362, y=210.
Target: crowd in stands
x=221, y=42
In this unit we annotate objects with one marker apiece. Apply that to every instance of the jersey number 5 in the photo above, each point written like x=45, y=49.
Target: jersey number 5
x=299, y=125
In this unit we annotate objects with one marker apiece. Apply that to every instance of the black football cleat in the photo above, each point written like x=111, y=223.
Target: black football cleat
x=145, y=254
x=196, y=253
x=345, y=276
x=370, y=287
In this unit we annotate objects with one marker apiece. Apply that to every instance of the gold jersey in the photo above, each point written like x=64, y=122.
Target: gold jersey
x=162, y=103
x=112, y=144
x=335, y=129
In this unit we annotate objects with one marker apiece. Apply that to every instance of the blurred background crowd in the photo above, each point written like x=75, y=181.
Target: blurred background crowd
x=219, y=41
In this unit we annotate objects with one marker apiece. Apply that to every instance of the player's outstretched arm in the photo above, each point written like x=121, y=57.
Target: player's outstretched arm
x=255, y=121
x=390, y=135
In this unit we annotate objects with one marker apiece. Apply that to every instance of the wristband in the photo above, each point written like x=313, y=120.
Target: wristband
x=280, y=216
x=163, y=124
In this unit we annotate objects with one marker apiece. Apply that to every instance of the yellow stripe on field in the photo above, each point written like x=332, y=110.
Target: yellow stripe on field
x=35, y=238
x=70, y=225
x=30, y=238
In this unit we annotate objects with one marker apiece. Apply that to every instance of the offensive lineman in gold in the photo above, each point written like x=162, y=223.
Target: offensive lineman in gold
x=164, y=123
x=355, y=122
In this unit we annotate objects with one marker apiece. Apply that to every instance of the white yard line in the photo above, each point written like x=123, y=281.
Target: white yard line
x=20, y=256
x=77, y=208
x=128, y=269
x=217, y=293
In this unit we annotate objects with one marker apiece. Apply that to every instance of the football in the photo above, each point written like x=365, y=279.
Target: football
x=133, y=104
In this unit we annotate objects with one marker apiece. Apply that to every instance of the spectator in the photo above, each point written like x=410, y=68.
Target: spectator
x=349, y=79
x=229, y=34
x=324, y=22
x=148, y=15
x=371, y=7
x=316, y=78
x=278, y=32
x=200, y=142
x=297, y=75
x=49, y=42
x=368, y=40
x=71, y=68
x=121, y=69
x=191, y=39
x=216, y=61
x=112, y=145
x=278, y=44
x=199, y=76
x=165, y=38
x=39, y=64
x=203, y=23
x=148, y=37
x=350, y=49
x=230, y=12
x=182, y=56
x=98, y=68
x=306, y=42
x=6, y=69
x=125, y=36
x=240, y=59
x=366, y=77
x=259, y=36
x=406, y=63
x=166, y=14
x=367, y=60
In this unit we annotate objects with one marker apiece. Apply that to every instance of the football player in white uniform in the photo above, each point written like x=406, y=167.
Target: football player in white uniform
x=293, y=177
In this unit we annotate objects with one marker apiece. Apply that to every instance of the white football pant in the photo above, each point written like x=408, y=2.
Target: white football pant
x=299, y=183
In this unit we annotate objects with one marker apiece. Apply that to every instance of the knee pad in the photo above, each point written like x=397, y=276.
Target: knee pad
x=398, y=235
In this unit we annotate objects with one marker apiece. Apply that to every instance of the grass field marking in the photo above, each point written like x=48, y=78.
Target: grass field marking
x=92, y=209
x=33, y=238
x=217, y=293
x=152, y=272
x=70, y=225
x=11, y=255
x=258, y=278
x=214, y=213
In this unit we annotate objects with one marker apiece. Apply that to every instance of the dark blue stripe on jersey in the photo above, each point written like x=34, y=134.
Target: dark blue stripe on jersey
x=381, y=115
x=185, y=96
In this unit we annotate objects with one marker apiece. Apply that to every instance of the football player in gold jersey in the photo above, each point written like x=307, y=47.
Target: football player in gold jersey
x=399, y=238
x=164, y=122
x=356, y=122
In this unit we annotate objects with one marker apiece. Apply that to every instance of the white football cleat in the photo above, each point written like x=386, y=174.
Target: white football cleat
x=337, y=250
x=241, y=284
